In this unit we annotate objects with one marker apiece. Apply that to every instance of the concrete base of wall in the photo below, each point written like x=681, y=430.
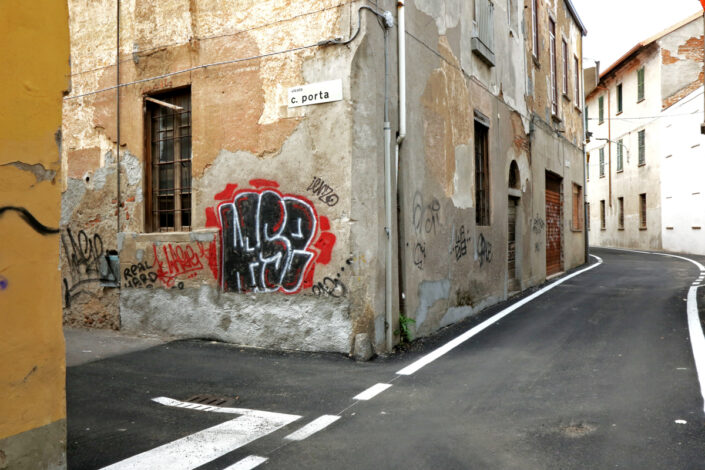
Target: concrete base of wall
x=41, y=448
x=274, y=321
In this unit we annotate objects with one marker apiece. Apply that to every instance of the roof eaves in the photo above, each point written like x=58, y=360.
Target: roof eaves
x=577, y=19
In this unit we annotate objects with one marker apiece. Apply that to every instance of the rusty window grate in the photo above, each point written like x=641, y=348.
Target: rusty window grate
x=642, y=210
x=170, y=161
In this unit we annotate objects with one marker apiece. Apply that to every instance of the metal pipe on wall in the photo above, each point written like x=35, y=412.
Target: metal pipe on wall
x=117, y=120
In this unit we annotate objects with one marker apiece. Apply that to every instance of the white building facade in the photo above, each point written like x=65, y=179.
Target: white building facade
x=643, y=122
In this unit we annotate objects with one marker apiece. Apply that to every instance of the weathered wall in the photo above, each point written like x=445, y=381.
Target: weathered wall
x=556, y=139
x=682, y=62
x=32, y=369
x=247, y=147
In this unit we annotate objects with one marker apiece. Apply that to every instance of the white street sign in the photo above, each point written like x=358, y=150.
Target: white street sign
x=315, y=93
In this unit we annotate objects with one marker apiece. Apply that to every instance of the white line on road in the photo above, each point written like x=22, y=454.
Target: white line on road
x=449, y=346
x=372, y=392
x=312, y=428
x=695, y=329
x=205, y=446
x=248, y=463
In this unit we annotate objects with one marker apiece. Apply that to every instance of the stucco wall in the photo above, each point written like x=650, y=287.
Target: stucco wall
x=32, y=369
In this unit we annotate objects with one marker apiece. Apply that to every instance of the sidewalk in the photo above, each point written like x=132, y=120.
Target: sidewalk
x=84, y=345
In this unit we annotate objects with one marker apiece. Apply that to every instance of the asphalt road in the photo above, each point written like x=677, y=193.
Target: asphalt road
x=596, y=373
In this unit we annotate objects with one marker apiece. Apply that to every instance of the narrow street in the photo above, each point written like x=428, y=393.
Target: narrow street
x=597, y=372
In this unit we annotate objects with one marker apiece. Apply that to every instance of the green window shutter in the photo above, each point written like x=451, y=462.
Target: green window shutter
x=602, y=162
x=620, y=155
x=601, y=111
x=640, y=84
x=619, y=98
x=642, y=147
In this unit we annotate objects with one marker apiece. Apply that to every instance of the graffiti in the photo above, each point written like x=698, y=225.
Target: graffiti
x=139, y=275
x=332, y=287
x=426, y=216
x=537, y=225
x=30, y=219
x=85, y=257
x=484, y=250
x=324, y=192
x=3, y=282
x=420, y=255
x=268, y=239
x=461, y=243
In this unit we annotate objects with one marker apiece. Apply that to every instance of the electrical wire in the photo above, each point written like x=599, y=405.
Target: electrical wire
x=217, y=36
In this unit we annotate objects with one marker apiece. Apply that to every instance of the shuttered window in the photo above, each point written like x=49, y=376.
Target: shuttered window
x=619, y=98
x=620, y=208
x=565, y=67
x=640, y=84
x=576, y=67
x=602, y=214
x=587, y=166
x=535, y=27
x=642, y=211
x=602, y=162
x=482, y=174
x=554, y=72
x=620, y=155
x=601, y=109
x=577, y=207
x=642, y=147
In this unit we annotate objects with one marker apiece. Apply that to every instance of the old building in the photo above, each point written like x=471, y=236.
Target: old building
x=32, y=364
x=645, y=151
x=283, y=180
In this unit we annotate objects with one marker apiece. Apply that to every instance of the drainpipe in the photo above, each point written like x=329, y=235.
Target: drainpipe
x=609, y=144
x=586, y=221
x=117, y=91
x=401, y=135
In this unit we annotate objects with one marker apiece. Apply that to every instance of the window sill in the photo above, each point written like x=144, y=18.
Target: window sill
x=578, y=108
x=639, y=101
x=618, y=113
x=576, y=230
x=642, y=164
x=566, y=97
x=603, y=229
x=556, y=118
x=621, y=229
x=601, y=123
x=642, y=228
x=620, y=171
x=537, y=64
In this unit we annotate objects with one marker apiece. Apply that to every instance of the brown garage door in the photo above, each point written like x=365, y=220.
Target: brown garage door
x=554, y=261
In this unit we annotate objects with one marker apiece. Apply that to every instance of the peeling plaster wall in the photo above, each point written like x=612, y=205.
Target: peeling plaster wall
x=244, y=136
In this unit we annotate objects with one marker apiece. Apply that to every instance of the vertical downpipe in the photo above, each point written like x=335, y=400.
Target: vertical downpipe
x=388, y=271
x=401, y=77
x=117, y=90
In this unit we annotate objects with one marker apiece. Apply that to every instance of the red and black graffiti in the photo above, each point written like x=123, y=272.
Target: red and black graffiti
x=268, y=239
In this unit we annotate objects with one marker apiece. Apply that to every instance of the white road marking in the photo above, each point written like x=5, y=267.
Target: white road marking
x=312, y=428
x=205, y=446
x=449, y=346
x=248, y=463
x=372, y=392
x=695, y=330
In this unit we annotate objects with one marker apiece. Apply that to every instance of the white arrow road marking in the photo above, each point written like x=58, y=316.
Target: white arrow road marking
x=205, y=446
x=312, y=428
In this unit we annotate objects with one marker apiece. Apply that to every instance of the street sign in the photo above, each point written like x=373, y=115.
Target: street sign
x=315, y=93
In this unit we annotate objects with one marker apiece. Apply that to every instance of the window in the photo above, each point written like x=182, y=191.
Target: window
x=512, y=16
x=642, y=147
x=619, y=98
x=587, y=166
x=602, y=162
x=588, y=216
x=169, y=154
x=482, y=43
x=576, y=67
x=602, y=214
x=642, y=211
x=640, y=84
x=620, y=155
x=577, y=207
x=601, y=109
x=587, y=120
x=565, y=67
x=535, y=27
x=554, y=78
x=620, y=208
x=482, y=172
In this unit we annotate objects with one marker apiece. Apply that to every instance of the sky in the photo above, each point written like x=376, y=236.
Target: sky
x=615, y=26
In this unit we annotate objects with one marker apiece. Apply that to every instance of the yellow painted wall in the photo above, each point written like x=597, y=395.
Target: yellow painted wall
x=34, y=73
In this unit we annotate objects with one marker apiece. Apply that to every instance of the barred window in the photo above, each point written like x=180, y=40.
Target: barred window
x=169, y=154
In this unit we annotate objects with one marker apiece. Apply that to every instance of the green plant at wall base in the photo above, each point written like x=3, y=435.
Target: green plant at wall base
x=405, y=328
